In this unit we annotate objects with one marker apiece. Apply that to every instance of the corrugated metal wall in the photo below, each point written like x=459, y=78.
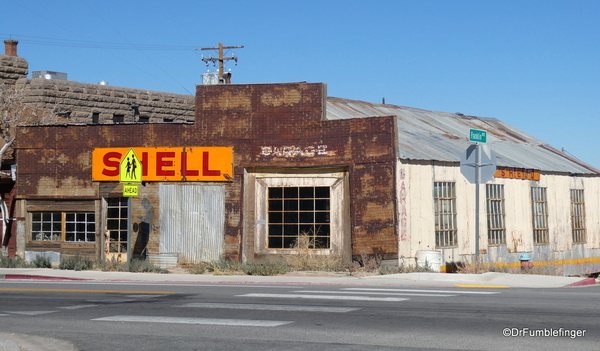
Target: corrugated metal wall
x=192, y=221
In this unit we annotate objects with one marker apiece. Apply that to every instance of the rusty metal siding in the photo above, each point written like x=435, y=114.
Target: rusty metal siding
x=192, y=221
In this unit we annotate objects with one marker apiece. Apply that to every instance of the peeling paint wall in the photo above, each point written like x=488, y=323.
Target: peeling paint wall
x=418, y=178
x=269, y=126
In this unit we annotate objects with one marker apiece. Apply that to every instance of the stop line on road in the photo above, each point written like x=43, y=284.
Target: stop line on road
x=263, y=307
x=358, y=294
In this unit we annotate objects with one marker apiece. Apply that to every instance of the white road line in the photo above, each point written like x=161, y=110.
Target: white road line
x=326, y=297
x=263, y=307
x=111, y=301
x=370, y=293
x=76, y=307
x=199, y=321
x=29, y=313
x=427, y=291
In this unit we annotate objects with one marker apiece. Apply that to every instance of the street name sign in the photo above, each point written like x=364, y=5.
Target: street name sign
x=478, y=136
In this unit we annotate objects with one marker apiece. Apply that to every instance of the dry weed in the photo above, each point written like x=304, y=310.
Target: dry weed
x=307, y=258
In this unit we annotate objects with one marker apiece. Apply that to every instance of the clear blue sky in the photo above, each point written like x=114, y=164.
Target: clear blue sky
x=532, y=64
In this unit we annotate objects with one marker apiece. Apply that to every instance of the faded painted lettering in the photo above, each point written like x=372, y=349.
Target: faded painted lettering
x=403, y=207
x=295, y=151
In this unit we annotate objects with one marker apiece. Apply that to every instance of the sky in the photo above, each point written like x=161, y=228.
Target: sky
x=534, y=64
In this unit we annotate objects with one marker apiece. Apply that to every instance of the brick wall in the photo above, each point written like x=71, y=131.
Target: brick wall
x=253, y=119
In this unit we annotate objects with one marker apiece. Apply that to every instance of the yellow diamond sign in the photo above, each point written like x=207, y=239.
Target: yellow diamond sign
x=130, y=168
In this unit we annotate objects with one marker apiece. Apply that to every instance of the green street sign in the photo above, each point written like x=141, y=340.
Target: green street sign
x=478, y=136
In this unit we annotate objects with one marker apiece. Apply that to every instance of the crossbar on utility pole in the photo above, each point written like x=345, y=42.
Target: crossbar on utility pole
x=221, y=59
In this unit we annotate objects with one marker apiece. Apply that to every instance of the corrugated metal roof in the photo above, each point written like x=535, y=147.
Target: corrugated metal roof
x=443, y=136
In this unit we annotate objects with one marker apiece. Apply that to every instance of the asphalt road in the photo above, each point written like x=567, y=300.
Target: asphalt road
x=159, y=316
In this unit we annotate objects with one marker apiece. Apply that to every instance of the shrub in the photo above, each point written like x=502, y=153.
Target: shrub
x=307, y=259
x=274, y=268
x=17, y=262
x=224, y=267
x=112, y=265
x=143, y=266
x=197, y=269
x=76, y=263
x=365, y=264
x=42, y=261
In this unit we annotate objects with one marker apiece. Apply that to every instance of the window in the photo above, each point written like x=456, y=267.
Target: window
x=118, y=118
x=117, y=224
x=144, y=119
x=495, y=214
x=539, y=211
x=295, y=207
x=63, y=226
x=578, y=215
x=298, y=211
x=95, y=117
x=444, y=197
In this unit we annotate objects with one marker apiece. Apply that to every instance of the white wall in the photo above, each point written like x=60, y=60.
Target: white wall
x=416, y=222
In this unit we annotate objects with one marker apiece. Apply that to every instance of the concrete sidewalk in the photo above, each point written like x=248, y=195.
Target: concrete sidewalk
x=504, y=280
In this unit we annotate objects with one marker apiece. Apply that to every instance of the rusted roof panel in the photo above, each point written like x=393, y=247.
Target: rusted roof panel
x=443, y=136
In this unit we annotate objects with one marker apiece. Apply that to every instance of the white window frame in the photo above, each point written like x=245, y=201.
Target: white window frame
x=578, y=216
x=496, y=214
x=339, y=208
x=444, y=199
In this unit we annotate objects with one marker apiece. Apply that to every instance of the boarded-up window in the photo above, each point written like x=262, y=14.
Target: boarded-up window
x=578, y=215
x=192, y=222
x=539, y=211
x=295, y=212
x=444, y=197
x=495, y=214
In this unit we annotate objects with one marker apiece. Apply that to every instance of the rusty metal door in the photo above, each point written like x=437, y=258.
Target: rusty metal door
x=192, y=222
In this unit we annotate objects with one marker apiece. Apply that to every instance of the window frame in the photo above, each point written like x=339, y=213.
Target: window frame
x=59, y=224
x=446, y=228
x=578, y=229
x=293, y=213
x=261, y=179
x=122, y=221
x=496, y=214
x=539, y=203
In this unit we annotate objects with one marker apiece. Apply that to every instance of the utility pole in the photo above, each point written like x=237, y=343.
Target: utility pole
x=223, y=77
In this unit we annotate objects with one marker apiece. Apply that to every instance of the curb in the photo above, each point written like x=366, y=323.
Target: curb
x=583, y=282
x=38, y=277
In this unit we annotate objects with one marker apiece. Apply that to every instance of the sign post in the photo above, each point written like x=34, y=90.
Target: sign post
x=478, y=165
x=130, y=175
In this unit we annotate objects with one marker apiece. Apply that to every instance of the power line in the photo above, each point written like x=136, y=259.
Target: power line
x=97, y=44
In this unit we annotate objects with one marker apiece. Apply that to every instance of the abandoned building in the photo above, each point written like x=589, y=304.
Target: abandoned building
x=265, y=164
x=83, y=103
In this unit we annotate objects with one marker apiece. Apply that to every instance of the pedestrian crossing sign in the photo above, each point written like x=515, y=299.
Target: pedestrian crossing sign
x=130, y=169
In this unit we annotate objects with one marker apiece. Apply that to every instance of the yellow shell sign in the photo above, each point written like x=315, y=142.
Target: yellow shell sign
x=174, y=164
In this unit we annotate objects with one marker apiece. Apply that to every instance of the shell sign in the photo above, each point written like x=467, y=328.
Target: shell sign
x=170, y=164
